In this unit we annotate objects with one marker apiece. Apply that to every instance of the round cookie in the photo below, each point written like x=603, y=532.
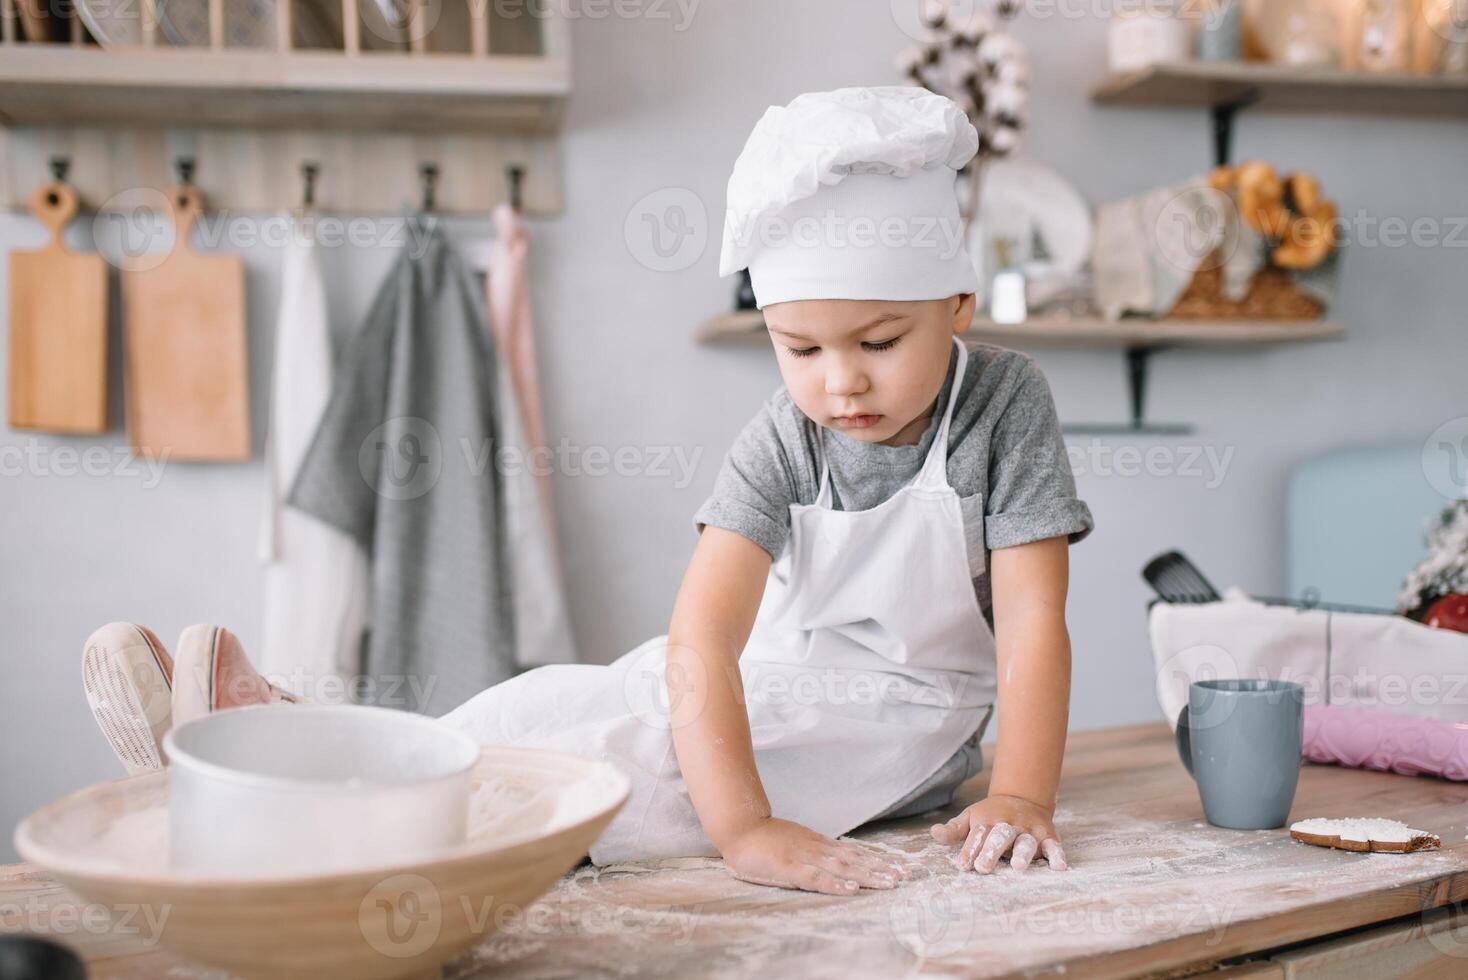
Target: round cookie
x=1363, y=834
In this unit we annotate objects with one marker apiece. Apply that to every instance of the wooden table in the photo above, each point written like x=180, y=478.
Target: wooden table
x=1153, y=890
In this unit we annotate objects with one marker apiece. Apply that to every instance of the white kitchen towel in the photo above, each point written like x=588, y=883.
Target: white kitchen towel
x=1362, y=660
x=542, y=626
x=316, y=577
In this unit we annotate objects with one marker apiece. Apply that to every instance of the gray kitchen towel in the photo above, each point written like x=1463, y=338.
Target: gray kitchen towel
x=404, y=462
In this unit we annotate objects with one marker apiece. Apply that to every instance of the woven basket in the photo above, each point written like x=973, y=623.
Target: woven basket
x=1272, y=295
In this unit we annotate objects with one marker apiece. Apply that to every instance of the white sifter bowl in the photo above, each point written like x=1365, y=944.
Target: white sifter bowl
x=314, y=788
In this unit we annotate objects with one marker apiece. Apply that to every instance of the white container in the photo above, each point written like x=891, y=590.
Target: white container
x=1007, y=299
x=299, y=787
x=1145, y=37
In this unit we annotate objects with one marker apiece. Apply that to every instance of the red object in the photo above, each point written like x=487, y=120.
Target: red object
x=1449, y=612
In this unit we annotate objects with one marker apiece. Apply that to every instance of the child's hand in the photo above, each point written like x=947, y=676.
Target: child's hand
x=788, y=855
x=993, y=826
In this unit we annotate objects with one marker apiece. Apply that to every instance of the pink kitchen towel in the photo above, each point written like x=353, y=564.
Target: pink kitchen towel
x=507, y=295
x=1366, y=738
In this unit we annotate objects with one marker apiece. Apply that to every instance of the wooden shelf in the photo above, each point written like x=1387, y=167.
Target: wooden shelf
x=1214, y=84
x=475, y=94
x=51, y=85
x=747, y=328
x=1138, y=338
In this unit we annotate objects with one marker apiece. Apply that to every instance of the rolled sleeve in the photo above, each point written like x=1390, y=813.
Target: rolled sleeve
x=1066, y=515
x=1032, y=491
x=741, y=518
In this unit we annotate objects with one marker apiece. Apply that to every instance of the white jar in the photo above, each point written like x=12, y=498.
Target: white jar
x=1150, y=34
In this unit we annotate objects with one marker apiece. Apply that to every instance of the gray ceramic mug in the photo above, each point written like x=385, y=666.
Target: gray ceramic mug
x=1240, y=740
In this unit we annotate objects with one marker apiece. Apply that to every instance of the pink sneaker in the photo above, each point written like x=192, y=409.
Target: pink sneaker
x=128, y=678
x=212, y=673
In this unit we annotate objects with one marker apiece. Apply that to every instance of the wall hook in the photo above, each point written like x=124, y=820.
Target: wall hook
x=185, y=195
x=515, y=174
x=59, y=166
x=309, y=170
x=429, y=173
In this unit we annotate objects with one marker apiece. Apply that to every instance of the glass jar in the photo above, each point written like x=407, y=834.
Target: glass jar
x=1312, y=36
x=1386, y=30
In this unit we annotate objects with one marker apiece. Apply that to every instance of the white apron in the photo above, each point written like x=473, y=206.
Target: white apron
x=869, y=664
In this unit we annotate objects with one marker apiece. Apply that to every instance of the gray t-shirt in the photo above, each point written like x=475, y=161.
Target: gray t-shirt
x=1006, y=460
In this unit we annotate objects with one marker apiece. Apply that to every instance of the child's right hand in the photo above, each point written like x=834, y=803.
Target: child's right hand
x=788, y=855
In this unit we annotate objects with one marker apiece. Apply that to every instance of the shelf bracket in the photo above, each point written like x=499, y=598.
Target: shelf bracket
x=1223, y=124
x=1137, y=359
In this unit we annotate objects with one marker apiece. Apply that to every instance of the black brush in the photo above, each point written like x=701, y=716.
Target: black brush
x=1177, y=580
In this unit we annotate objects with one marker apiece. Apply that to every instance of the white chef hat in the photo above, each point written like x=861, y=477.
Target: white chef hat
x=850, y=195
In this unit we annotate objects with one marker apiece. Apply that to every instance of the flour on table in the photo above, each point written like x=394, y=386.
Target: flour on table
x=1133, y=880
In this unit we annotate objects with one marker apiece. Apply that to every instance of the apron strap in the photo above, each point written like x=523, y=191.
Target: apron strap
x=823, y=493
x=935, y=467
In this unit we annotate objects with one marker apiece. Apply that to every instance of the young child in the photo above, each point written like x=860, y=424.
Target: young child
x=884, y=552
x=883, y=557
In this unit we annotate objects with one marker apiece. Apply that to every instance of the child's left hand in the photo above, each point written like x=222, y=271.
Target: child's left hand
x=999, y=825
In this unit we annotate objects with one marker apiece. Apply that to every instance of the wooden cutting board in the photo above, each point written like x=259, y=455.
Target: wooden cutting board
x=187, y=392
x=58, y=328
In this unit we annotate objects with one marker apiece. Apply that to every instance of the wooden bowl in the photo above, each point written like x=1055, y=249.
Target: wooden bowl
x=532, y=815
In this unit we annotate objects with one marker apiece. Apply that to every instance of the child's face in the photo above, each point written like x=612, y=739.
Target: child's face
x=870, y=368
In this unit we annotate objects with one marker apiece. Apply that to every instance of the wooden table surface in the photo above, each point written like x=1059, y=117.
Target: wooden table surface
x=1152, y=889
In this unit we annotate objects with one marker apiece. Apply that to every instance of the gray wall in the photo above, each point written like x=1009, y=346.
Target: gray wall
x=661, y=107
